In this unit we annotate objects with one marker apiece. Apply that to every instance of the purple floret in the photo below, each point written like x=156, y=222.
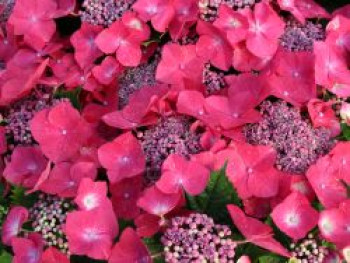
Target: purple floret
x=136, y=78
x=196, y=238
x=213, y=80
x=301, y=37
x=209, y=9
x=171, y=135
x=297, y=143
x=48, y=216
x=18, y=115
x=104, y=12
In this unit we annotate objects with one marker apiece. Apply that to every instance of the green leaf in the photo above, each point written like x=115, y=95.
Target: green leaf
x=5, y=257
x=285, y=240
x=345, y=135
x=72, y=95
x=155, y=248
x=317, y=205
x=270, y=259
x=217, y=195
x=19, y=197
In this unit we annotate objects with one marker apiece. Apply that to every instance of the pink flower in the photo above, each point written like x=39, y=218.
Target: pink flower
x=331, y=70
x=133, y=21
x=179, y=64
x=91, y=233
x=341, y=161
x=91, y=195
x=107, y=101
x=67, y=71
x=295, y=216
x=26, y=166
x=159, y=12
x=255, y=231
x=123, y=157
x=257, y=207
x=130, y=249
x=34, y=20
x=265, y=28
x=217, y=112
x=141, y=109
x=323, y=115
x=334, y=224
x=244, y=259
x=148, y=225
x=83, y=41
x=345, y=112
x=60, y=131
x=27, y=250
x=107, y=71
x=344, y=11
x=65, y=177
x=249, y=168
x=293, y=76
x=325, y=178
x=246, y=61
x=159, y=207
x=245, y=93
x=233, y=23
x=64, y=7
x=178, y=174
x=12, y=225
x=20, y=77
x=338, y=34
x=301, y=185
x=155, y=202
x=186, y=15
x=213, y=46
x=125, y=195
x=53, y=255
x=123, y=41
x=303, y=9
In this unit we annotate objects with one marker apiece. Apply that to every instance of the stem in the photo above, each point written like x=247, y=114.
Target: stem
x=157, y=255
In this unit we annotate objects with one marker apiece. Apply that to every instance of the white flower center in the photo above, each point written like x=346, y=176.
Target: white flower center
x=292, y=219
x=90, y=201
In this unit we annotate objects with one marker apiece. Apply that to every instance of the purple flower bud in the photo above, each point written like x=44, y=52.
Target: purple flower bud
x=136, y=78
x=297, y=143
x=18, y=115
x=301, y=37
x=48, y=222
x=209, y=8
x=171, y=135
x=104, y=12
x=183, y=244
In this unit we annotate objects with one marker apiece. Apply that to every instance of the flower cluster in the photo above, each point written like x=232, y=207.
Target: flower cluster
x=213, y=80
x=134, y=125
x=48, y=216
x=171, y=135
x=104, y=12
x=301, y=37
x=21, y=112
x=209, y=8
x=309, y=250
x=136, y=78
x=297, y=143
x=197, y=238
